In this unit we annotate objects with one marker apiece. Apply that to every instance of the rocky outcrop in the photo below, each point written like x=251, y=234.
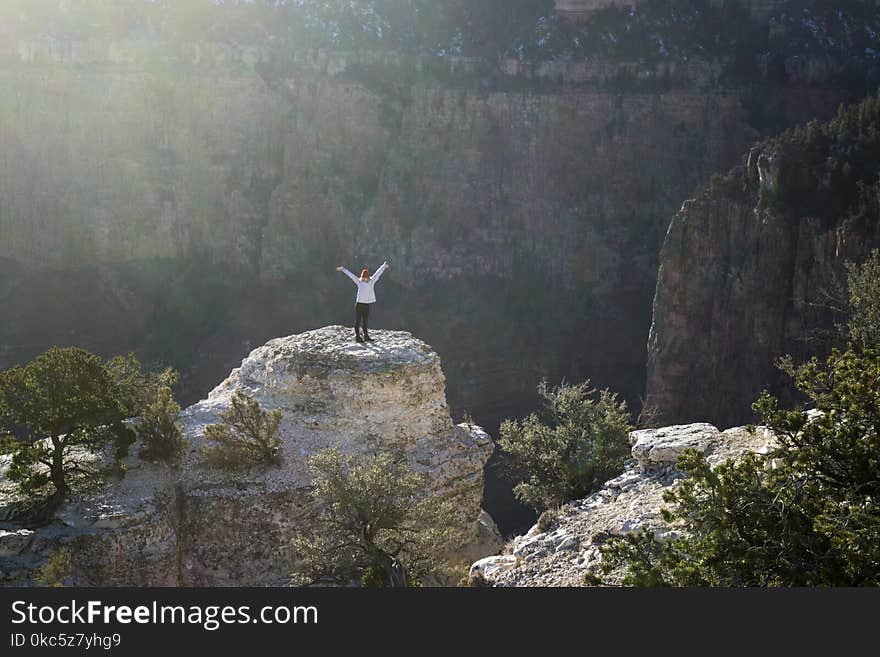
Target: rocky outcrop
x=197, y=526
x=564, y=553
x=752, y=269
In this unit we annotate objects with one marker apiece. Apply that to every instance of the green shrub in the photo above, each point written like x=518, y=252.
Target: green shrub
x=863, y=282
x=476, y=580
x=247, y=436
x=56, y=570
x=547, y=519
x=136, y=387
x=372, y=523
x=804, y=515
x=158, y=431
x=581, y=442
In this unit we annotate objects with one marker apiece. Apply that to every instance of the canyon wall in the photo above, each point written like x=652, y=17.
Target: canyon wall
x=191, y=202
x=753, y=268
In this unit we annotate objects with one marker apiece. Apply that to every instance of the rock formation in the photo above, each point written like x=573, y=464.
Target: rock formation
x=197, y=526
x=752, y=269
x=563, y=554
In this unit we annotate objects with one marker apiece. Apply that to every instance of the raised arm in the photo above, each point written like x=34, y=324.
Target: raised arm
x=348, y=273
x=380, y=271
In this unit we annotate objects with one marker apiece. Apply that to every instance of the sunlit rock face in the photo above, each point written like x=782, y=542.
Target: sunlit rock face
x=200, y=526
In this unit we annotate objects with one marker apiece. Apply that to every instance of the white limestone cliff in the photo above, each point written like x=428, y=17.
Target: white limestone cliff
x=198, y=526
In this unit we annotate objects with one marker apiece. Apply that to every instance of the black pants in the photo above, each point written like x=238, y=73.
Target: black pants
x=361, y=316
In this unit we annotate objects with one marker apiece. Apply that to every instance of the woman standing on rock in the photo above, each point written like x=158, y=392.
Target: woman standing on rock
x=365, y=296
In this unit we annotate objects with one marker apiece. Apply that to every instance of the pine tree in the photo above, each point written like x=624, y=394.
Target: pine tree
x=57, y=412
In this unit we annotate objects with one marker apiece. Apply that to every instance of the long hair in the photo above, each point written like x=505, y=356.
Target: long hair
x=365, y=273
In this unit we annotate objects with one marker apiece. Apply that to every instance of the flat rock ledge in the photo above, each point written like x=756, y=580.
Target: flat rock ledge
x=627, y=503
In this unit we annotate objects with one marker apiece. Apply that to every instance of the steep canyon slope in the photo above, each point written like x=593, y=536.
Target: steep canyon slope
x=753, y=268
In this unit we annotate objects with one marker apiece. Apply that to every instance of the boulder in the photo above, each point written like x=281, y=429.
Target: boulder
x=13, y=543
x=492, y=566
x=654, y=448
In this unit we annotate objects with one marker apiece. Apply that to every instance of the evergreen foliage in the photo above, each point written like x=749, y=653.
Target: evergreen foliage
x=57, y=412
x=804, y=515
x=372, y=523
x=159, y=432
x=247, y=436
x=863, y=303
x=831, y=170
x=55, y=573
x=135, y=386
x=581, y=441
